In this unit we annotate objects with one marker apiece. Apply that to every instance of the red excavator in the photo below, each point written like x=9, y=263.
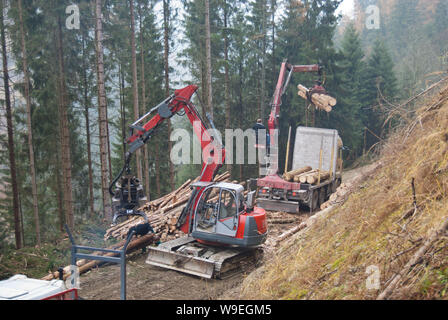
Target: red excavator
x=223, y=229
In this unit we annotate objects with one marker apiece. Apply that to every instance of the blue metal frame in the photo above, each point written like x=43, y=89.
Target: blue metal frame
x=121, y=260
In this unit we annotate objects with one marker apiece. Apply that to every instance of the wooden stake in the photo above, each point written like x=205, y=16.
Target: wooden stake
x=320, y=159
x=287, y=150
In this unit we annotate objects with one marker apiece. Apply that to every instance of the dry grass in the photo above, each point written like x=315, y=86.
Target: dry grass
x=376, y=226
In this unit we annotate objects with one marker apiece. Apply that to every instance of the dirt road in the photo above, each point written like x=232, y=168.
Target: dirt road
x=145, y=282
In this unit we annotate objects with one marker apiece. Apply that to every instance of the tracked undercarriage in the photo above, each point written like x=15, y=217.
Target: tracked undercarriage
x=189, y=256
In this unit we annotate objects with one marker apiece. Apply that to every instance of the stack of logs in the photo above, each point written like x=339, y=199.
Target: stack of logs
x=307, y=175
x=162, y=213
x=321, y=101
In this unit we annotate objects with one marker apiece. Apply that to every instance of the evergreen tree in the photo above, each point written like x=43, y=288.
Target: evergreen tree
x=379, y=87
x=346, y=117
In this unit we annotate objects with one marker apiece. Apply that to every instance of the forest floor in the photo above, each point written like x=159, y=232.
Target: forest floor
x=146, y=282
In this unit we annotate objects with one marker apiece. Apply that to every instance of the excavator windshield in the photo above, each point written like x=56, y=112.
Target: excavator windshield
x=217, y=211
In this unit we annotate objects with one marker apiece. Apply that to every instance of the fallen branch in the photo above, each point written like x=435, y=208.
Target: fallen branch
x=416, y=259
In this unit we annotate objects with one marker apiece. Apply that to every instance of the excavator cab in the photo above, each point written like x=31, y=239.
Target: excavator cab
x=225, y=234
x=222, y=217
x=219, y=209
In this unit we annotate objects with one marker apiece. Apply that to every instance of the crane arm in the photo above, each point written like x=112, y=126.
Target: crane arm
x=176, y=104
x=284, y=78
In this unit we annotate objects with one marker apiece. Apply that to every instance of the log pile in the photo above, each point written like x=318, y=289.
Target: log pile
x=162, y=213
x=321, y=101
x=316, y=177
x=338, y=197
x=289, y=176
x=307, y=175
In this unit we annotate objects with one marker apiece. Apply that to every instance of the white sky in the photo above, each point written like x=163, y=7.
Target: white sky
x=347, y=7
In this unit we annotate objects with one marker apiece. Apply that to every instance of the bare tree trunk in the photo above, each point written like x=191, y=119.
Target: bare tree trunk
x=273, y=10
x=226, y=71
x=86, y=115
x=29, y=126
x=135, y=85
x=241, y=115
x=143, y=83
x=263, y=61
x=102, y=114
x=65, y=133
x=203, y=90
x=12, y=158
x=157, y=163
x=122, y=110
x=208, y=58
x=59, y=194
x=166, y=26
x=109, y=155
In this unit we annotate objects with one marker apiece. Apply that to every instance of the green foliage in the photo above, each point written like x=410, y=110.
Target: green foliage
x=349, y=69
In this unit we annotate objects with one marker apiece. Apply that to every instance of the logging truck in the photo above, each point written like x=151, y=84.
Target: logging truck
x=316, y=173
x=317, y=158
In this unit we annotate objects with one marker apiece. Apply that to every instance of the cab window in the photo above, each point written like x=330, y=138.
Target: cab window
x=228, y=207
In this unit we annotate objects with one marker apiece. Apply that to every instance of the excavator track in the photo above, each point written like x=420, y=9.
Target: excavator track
x=189, y=256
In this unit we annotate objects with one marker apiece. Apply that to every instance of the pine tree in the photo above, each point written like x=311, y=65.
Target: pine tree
x=346, y=117
x=102, y=112
x=29, y=125
x=379, y=87
x=167, y=31
x=12, y=159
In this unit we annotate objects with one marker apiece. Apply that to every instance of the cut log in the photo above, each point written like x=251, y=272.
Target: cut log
x=314, y=178
x=321, y=101
x=302, y=177
x=289, y=176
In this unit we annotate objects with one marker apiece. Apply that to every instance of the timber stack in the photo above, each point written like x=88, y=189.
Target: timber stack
x=307, y=175
x=162, y=213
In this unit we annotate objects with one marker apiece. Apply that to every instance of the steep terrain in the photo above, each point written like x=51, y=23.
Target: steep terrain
x=382, y=232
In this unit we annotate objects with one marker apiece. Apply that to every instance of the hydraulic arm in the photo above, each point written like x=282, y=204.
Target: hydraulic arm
x=178, y=103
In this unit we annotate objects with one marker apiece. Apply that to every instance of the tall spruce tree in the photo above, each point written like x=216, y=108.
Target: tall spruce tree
x=346, y=117
x=379, y=86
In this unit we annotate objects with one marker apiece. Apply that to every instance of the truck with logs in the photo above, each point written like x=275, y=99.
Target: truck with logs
x=317, y=157
x=316, y=174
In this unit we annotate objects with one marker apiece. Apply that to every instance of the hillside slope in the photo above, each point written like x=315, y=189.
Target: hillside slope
x=378, y=229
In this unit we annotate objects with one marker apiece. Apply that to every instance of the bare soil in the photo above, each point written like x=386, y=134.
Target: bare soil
x=146, y=282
